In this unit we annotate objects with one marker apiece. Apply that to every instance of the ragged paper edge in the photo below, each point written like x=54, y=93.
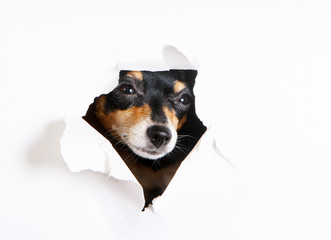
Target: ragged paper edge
x=84, y=148
x=172, y=58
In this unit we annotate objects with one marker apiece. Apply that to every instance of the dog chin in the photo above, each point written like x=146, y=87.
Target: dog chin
x=149, y=154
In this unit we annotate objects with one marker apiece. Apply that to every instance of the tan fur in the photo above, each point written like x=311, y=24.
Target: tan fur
x=135, y=74
x=171, y=116
x=182, y=121
x=121, y=118
x=179, y=86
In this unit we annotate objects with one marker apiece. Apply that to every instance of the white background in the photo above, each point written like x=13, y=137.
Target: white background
x=264, y=84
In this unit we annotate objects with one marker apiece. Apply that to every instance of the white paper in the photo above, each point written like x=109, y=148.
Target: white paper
x=266, y=64
x=171, y=58
x=83, y=148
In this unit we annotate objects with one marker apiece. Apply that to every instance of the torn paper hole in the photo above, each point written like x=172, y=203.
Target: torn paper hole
x=146, y=121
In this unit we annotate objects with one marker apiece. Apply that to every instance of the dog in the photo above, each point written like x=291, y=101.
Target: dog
x=150, y=120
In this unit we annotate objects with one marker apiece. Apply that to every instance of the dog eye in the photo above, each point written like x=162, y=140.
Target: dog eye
x=185, y=100
x=127, y=89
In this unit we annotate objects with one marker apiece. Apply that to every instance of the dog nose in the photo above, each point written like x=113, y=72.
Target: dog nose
x=159, y=135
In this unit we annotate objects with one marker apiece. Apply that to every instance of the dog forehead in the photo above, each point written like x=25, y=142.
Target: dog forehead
x=162, y=81
x=158, y=76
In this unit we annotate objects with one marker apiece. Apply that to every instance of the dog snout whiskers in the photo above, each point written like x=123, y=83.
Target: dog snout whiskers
x=159, y=135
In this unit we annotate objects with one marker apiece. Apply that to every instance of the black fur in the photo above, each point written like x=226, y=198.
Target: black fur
x=156, y=90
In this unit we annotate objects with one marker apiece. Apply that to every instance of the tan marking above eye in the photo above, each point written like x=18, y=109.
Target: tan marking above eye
x=135, y=74
x=179, y=86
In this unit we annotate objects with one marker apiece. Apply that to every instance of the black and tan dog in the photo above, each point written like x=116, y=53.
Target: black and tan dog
x=150, y=120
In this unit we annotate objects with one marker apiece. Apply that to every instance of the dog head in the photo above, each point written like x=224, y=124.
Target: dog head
x=146, y=110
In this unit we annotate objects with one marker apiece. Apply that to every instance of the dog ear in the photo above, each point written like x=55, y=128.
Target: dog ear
x=187, y=76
